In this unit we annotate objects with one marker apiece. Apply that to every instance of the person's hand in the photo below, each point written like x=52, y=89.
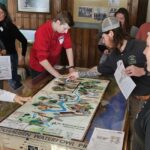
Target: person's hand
x=73, y=75
x=21, y=100
x=71, y=70
x=134, y=71
x=2, y=52
x=59, y=76
x=93, y=69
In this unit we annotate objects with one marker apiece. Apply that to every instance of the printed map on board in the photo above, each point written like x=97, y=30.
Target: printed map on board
x=62, y=108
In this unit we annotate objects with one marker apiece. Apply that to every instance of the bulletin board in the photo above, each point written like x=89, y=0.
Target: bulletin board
x=94, y=11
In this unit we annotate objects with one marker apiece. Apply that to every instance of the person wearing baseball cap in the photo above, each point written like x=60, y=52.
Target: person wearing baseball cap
x=124, y=48
x=130, y=51
x=103, y=49
x=109, y=24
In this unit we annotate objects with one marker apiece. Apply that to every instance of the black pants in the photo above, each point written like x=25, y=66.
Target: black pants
x=134, y=106
x=16, y=79
x=37, y=76
x=1, y=84
x=34, y=73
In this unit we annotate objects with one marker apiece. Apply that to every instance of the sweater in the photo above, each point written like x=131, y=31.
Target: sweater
x=9, y=33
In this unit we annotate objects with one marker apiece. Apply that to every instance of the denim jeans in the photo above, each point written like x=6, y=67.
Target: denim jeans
x=15, y=81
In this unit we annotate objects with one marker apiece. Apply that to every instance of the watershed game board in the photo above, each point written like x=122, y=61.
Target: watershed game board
x=62, y=108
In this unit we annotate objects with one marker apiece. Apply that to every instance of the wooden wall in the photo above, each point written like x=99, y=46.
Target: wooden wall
x=84, y=40
x=142, y=12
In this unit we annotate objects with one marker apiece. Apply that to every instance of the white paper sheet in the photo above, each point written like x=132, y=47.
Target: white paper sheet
x=125, y=83
x=5, y=68
x=104, y=139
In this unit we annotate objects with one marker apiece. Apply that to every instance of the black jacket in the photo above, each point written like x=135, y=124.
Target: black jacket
x=9, y=33
x=132, y=55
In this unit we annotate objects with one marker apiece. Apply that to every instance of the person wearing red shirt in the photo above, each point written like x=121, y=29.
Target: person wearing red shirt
x=50, y=38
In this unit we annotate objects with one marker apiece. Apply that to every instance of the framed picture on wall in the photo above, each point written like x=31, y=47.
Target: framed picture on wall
x=39, y=6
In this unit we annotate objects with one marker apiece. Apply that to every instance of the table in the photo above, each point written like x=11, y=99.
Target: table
x=111, y=114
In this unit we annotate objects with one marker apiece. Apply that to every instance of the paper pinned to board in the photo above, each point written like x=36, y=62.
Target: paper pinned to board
x=104, y=139
x=5, y=68
x=125, y=83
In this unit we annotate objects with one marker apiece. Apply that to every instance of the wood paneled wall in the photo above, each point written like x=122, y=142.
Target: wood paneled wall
x=85, y=46
x=84, y=40
x=25, y=20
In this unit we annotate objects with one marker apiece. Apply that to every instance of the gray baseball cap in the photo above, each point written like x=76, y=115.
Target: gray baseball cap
x=110, y=23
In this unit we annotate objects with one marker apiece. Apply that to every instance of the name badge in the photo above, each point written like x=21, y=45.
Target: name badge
x=61, y=39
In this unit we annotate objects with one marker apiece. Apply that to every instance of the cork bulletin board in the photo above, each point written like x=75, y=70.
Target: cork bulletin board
x=94, y=11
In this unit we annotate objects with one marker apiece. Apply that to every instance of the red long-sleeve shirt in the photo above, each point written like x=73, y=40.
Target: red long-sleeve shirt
x=48, y=45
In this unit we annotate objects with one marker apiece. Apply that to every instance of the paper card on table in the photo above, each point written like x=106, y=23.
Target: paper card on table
x=5, y=68
x=104, y=139
x=125, y=83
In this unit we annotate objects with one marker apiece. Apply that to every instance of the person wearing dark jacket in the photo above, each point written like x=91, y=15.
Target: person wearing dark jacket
x=130, y=51
x=124, y=48
x=9, y=33
x=142, y=122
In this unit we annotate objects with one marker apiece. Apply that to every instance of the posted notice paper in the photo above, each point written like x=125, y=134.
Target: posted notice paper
x=125, y=83
x=5, y=68
x=104, y=139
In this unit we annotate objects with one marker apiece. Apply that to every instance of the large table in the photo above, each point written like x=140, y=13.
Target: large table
x=111, y=114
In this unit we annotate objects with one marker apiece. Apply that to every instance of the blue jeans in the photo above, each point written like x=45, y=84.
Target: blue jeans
x=15, y=81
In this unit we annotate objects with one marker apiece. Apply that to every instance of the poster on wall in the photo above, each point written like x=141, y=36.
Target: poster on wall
x=95, y=11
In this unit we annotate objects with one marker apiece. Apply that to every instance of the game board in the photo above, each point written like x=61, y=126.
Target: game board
x=62, y=108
